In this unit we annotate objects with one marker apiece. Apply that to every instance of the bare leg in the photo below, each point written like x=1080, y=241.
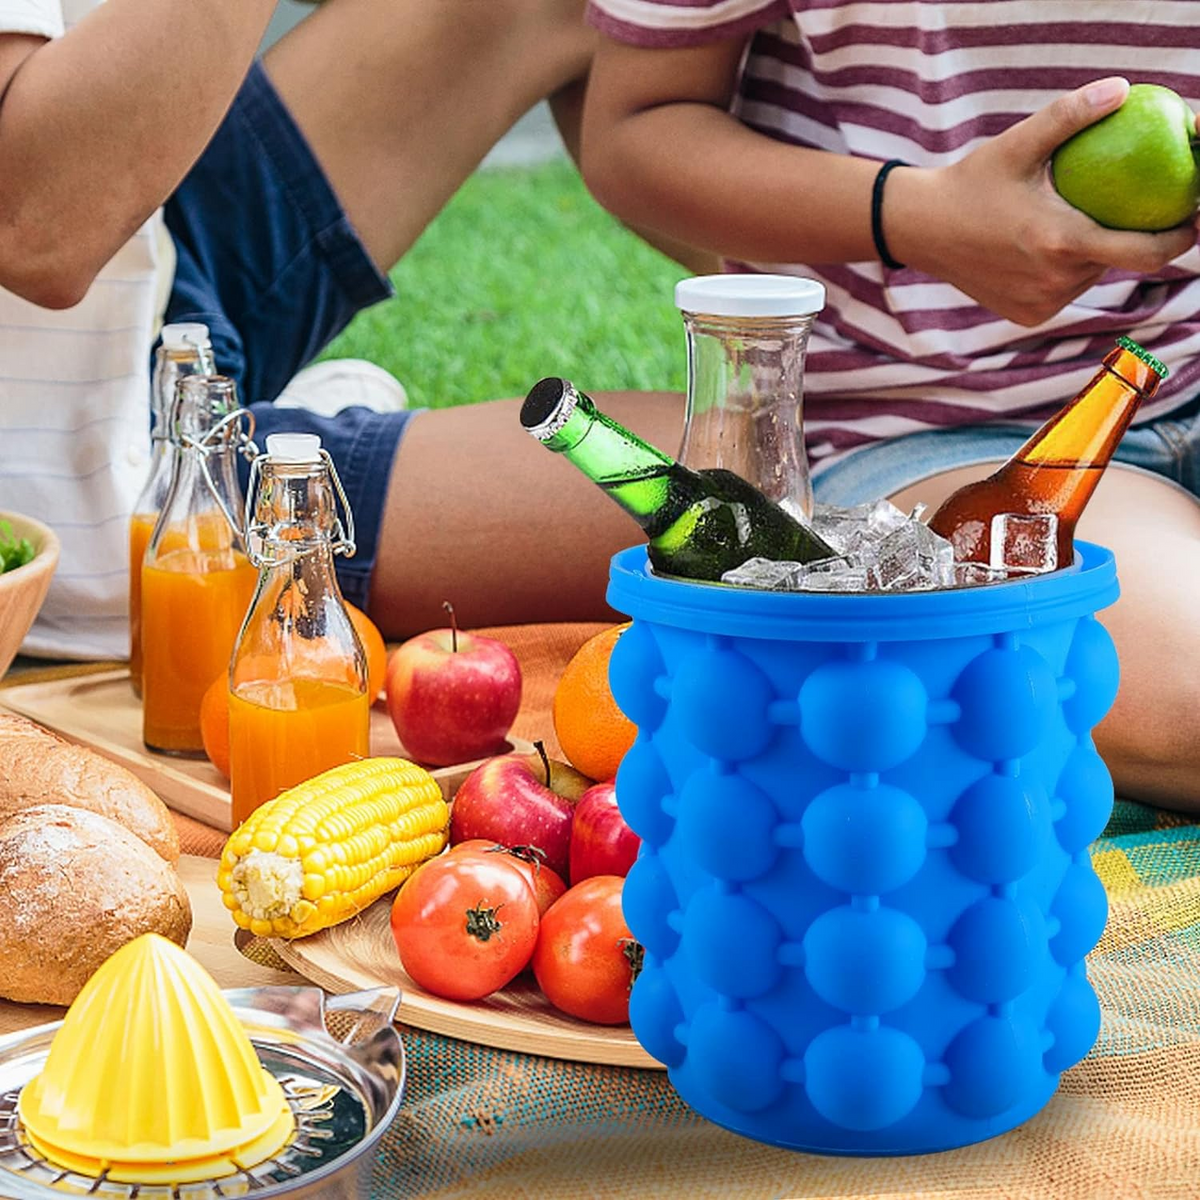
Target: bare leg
x=478, y=513
x=401, y=99
x=1150, y=740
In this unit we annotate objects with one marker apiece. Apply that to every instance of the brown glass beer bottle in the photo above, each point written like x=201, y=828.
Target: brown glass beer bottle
x=1056, y=471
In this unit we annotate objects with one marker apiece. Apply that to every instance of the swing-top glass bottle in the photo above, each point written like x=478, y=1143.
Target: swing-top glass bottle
x=196, y=578
x=298, y=701
x=185, y=350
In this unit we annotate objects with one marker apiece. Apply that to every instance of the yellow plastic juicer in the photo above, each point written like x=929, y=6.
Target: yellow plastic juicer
x=157, y=1083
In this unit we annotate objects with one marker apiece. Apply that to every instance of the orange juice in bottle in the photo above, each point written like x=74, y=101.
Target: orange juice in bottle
x=196, y=579
x=184, y=350
x=298, y=702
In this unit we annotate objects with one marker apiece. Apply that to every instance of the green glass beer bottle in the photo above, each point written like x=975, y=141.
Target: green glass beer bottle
x=700, y=524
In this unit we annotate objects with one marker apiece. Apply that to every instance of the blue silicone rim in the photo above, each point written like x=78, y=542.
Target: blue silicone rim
x=1085, y=587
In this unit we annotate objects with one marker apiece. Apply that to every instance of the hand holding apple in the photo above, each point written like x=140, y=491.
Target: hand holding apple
x=991, y=224
x=452, y=696
x=601, y=842
x=1136, y=168
x=520, y=800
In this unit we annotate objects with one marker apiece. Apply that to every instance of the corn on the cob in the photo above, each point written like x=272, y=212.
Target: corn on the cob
x=324, y=850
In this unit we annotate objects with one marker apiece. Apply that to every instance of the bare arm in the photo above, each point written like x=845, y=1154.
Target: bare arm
x=99, y=126
x=661, y=150
x=566, y=106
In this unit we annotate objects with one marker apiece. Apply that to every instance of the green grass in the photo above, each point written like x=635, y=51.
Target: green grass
x=524, y=275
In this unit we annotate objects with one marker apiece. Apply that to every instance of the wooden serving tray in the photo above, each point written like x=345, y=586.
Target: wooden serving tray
x=101, y=712
x=360, y=953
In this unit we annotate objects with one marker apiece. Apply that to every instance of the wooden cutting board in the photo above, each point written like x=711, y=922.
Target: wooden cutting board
x=211, y=942
x=101, y=712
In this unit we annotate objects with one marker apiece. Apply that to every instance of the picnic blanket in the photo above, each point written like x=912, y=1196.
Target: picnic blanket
x=1125, y=1123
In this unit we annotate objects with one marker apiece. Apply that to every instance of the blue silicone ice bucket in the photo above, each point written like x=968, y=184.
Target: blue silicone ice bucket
x=864, y=888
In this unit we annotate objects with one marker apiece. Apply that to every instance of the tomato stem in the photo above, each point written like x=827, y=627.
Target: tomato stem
x=482, y=922
x=540, y=747
x=453, y=626
x=533, y=855
x=635, y=956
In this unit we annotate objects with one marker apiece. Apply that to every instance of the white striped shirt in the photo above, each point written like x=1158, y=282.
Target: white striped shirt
x=896, y=352
x=74, y=414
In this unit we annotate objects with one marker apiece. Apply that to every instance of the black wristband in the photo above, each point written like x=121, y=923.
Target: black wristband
x=881, y=248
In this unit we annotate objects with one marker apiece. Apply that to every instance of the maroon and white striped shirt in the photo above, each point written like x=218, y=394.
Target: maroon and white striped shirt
x=895, y=352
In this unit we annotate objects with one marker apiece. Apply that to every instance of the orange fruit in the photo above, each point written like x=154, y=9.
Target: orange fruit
x=593, y=732
x=214, y=723
x=372, y=640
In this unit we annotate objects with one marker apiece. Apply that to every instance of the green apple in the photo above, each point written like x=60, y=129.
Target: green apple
x=1135, y=168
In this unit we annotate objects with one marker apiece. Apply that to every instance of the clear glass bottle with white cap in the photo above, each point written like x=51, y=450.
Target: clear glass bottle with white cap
x=185, y=350
x=746, y=339
x=298, y=701
x=196, y=578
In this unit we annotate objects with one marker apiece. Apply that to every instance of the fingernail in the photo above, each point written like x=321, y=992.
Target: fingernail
x=1104, y=92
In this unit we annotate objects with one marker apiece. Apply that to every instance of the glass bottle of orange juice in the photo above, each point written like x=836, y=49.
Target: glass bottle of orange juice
x=298, y=702
x=185, y=350
x=196, y=579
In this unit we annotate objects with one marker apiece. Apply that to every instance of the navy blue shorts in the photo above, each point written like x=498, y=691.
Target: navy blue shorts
x=270, y=263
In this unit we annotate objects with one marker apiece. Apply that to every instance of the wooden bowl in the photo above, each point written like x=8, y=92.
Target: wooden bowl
x=23, y=590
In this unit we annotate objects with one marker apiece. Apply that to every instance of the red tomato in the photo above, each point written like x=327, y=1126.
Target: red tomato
x=476, y=844
x=586, y=959
x=465, y=925
x=546, y=882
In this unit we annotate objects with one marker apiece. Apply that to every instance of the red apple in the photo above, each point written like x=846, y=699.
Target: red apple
x=452, y=696
x=601, y=842
x=520, y=800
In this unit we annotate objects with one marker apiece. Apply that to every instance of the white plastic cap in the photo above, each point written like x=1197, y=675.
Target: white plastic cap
x=750, y=295
x=186, y=335
x=294, y=447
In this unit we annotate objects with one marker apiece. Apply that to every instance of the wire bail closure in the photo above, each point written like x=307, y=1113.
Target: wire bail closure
x=211, y=442
x=257, y=539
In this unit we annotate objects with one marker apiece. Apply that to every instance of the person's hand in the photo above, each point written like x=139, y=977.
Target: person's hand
x=992, y=224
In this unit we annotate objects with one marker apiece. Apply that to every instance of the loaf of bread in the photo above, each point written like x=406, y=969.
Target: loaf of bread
x=39, y=767
x=76, y=887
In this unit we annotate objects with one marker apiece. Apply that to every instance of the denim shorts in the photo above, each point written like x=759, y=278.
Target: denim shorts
x=1168, y=447
x=268, y=260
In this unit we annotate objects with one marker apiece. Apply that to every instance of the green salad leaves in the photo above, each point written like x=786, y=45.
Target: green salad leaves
x=14, y=551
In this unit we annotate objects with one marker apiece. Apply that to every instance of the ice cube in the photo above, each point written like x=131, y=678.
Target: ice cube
x=765, y=574
x=1024, y=543
x=971, y=574
x=851, y=530
x=838, y=574
x=937, y=556
x=839, y=526
x=912, y=557
x=885, y=517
